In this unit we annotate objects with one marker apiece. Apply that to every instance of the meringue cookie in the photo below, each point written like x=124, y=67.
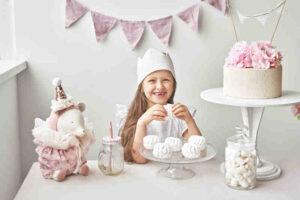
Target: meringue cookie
x=162, y=150
x=190, y=151
x=198, y=140
x=149, y=141
x=175, y=143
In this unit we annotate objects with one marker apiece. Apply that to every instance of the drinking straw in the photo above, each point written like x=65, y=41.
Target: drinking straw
x=110, y=154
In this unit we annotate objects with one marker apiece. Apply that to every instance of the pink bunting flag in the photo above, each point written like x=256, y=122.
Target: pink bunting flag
x=219, y=4
x=74, y=11
x=133, y=31
x=102, y=24
x=190, y=16
x=162, y=28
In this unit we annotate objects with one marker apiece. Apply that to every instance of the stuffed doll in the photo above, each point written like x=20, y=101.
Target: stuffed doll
x=64, y=138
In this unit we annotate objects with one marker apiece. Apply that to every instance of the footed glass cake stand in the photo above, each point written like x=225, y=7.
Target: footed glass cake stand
x=176, y=169
x=252, y=112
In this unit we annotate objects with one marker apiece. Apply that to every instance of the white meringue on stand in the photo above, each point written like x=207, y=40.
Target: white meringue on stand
x=162, y=151
x=150, y=140
x=175, y=143
x=190, y=151
x=198, y=140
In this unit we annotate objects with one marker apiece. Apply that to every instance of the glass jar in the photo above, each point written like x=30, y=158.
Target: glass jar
x=240, y=162
x=111, y=158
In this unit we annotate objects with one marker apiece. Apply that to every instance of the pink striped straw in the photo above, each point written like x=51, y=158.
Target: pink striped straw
x=110, y=154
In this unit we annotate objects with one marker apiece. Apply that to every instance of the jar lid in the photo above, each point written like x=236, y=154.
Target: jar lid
x=109, y=140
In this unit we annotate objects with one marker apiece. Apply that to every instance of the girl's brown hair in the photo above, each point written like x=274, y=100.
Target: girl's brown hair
x=137, y=108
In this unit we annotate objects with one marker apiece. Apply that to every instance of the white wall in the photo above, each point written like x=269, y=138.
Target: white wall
x=10, y=159
x=103, y=74
x=7, y=33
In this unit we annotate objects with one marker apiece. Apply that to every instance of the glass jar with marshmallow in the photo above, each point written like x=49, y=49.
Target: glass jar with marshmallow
x=240, y=161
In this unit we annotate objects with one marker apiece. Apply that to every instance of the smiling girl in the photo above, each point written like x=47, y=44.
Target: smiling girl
x=155, y=93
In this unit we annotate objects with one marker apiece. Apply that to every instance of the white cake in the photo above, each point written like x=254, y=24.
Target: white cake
x=149, y=141
x=190, y=151
x=253, y=71
x=175, y=143
x=251, y=83
x=162, y=151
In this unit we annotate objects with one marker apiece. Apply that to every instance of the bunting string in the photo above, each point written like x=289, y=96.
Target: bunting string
x=261, y=17
x=133, y=30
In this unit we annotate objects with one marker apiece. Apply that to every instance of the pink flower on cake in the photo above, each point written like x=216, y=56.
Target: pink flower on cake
x=264, y=56
x=259, y=55
x=239, y=56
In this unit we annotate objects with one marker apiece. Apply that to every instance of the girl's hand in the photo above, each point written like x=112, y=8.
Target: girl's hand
x=156, y=112
x=181, y=111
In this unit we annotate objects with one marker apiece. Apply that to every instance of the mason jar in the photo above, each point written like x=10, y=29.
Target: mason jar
x=111, y=157
x=240, y=162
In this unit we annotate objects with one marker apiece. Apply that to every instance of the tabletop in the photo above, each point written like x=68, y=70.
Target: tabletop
x=215, y=95
x=140, y=181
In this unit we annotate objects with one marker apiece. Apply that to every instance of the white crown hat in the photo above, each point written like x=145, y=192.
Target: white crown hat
x=152, y=61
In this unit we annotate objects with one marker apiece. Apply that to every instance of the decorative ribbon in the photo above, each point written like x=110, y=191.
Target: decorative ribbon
x=262, y=20
x=102, y=24
x=162, y=28
x=191, y=16
x=74, y=11
x=261, y=17
x=133, y=30
x=218, y=4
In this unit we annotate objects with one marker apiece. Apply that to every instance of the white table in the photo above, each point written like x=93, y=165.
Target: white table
x=141, y=182
x=252, y=112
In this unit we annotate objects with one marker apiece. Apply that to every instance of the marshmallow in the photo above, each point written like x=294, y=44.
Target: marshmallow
x=162, y=151
x=175, y=143
x=240, y=168
x=149, y=141
x=190, y=151
x=199, y=141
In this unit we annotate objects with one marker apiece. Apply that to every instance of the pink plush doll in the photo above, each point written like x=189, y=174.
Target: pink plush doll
x=64, y=138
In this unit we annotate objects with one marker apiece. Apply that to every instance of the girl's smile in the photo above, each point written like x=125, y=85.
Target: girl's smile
x=159, y=94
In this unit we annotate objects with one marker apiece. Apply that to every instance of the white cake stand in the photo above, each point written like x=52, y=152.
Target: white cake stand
x=252, y=111
x=176, y=169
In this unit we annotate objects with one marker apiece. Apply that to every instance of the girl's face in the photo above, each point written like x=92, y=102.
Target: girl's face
x=158, y=87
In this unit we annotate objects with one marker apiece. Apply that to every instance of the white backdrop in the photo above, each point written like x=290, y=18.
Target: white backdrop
x=103, y=74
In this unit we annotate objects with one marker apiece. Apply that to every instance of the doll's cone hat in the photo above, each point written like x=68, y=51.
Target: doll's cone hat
x=59, y=91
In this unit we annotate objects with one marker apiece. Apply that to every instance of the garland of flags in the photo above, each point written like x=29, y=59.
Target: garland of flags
x=133, y=30
x=262, y=17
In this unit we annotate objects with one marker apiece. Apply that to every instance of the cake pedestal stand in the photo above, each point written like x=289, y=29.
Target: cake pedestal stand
x=252, y=112
x=176, y=169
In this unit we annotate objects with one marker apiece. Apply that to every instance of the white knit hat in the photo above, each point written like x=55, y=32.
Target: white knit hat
x=152, y=61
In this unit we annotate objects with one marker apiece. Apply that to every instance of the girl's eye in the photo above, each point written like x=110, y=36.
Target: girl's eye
x=166, y=80
x=151, y=80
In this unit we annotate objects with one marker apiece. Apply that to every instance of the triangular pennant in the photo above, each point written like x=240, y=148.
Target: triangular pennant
x=219, y=4
x=242, y=18
x=102, y=24
x=74, y=11
x=262, y=19
x=190, y=16
x=133, y=31
x=162, y=28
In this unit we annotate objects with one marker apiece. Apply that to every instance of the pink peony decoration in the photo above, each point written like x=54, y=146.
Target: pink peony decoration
x=259, y=55
x=296, y=110
x=239, y=56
